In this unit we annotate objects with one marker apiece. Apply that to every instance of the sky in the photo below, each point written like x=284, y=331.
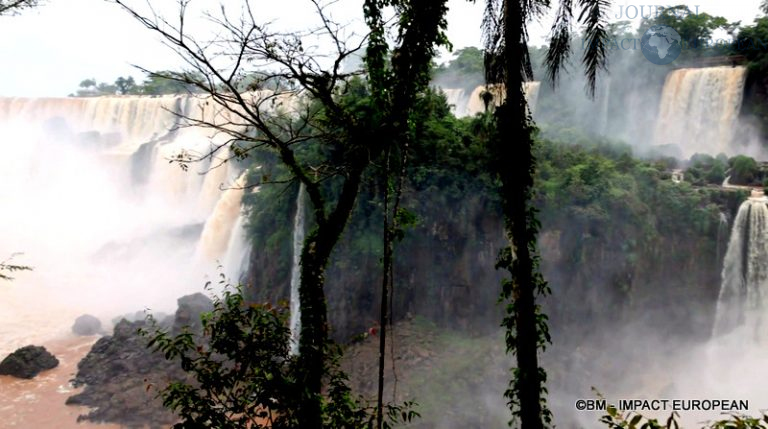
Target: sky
x=49, y=50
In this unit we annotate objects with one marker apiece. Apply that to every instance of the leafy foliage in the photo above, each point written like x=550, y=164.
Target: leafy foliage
x=465, y=70
x=694, y=27
x=156, y=83
x=744, y=170
x=705, y=169
x=752, y=42
x=586, y=187
x=241, y=374
x=617, y=420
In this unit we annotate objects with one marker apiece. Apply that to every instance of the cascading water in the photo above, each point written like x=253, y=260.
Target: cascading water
x=722, y=232
x=743, y=299
x=470, y=103
x=699, y=109
x=108, y=224
x=298, y=243
x=457, y=99
x=235, y=260
x=531, y=90
x=604, y=98
x=215, y=238
x=475, y=103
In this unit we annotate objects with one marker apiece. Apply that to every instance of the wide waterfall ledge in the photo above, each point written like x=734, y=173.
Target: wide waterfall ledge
x=758, y=195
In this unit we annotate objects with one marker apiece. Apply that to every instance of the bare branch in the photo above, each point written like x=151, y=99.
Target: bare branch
x=6, y=266
x=15, y=6
x=250, y=75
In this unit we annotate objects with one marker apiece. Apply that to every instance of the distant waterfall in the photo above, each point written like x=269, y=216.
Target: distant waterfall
x=605, y=99
x=531, y=90
x=722, y=231
x=457, y=99
x=743, y=299
x=470, y=103
x=476, y=105
x=298, y=243
x=699, y=109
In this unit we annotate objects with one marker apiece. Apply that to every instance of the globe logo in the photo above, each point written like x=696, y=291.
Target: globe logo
x=661, y=44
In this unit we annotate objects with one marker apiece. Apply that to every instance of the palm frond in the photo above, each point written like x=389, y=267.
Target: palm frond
x=493, y=31
x=560, y=41
x=534, y=9
x=594, y=17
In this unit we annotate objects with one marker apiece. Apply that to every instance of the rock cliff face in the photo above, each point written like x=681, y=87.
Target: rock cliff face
x=670, y=286
x=444, y=269
x=636, y=271
x=119, y=375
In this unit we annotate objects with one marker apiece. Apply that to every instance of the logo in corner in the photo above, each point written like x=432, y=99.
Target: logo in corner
x=661, y=44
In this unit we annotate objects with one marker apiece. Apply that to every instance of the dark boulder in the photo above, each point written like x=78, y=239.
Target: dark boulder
x=189, y=311
x=27, y=362
x=86, y=325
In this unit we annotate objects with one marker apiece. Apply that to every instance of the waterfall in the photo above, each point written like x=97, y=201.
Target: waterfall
x=218, y=229
x=531, y=90
x=218, y=173
x=131, y=230
x=457, y=99
x=699, y=109
x=235, y=260
x=743, y=298
x=475, y=103
x=722, y=231
x=298, y=243
x=605, y=99
x=470, y=103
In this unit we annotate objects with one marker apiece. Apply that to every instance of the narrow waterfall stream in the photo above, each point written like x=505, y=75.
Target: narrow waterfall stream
x=299, y=232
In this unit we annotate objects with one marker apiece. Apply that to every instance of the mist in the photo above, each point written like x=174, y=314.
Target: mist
x=101, y=238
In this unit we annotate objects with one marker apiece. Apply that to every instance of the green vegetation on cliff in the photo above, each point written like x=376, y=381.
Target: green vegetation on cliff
x=442, y=267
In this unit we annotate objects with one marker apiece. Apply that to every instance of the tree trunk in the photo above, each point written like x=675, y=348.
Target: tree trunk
x=385, y=279
x=314, y=330
x=514, y=146
x=313, y=341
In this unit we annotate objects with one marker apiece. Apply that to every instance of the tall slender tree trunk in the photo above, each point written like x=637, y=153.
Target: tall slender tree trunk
x=313, y=341
x=384, y=308
x=514, y=146
x=314, y=331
